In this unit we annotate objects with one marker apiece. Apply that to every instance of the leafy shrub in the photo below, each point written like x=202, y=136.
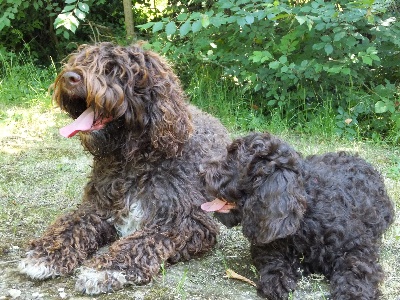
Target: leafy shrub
x=296, y=54
x=50, y=28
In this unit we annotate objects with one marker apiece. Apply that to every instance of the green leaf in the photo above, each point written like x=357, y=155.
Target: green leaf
x=367, y=60
x=158, y=26
x=318, y=46
x=182, y=17
x=260, y=56
x=74, y=23
x=249, y=19
x=274, y=64
x=170, y=29
x=328, y=49
x=345, y=71
x=301, y=19
x=79, y=14
x=83, y=7
x=375, y=57
x=4, y=22
x=145, y=26
x=305, y=9
x=205, y=21
x=325, y=38
x=335, y=69
x=241, y=21
x=217, y=21
x=320, y=26
x=314, y=4
x=283, y=59
x=304, y=63
x=267, y=56
x=381, y=107
x=70, y=1
x=66, y=34
x=196, y=26
x=68, y=8
x=185, y=28
x=338, y=36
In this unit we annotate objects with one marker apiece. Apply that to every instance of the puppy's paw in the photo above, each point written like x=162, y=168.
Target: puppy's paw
x=276, y=287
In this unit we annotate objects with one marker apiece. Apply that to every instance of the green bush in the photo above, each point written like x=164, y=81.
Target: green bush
x=294, y=57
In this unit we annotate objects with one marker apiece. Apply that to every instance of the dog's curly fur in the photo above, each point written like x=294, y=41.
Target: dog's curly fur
x=144, y=194
x=322, y=214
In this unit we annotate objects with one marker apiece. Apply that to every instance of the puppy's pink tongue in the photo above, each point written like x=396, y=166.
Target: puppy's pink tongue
x=217, y=205
x=214, y=205
x=82, y=123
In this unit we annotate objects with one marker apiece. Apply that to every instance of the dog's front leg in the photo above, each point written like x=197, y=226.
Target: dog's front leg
x=278, y=270
x=134, y=259
x=66, y=243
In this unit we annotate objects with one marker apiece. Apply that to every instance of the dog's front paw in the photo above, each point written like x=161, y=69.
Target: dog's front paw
x=37, y=267
x=276, y=287
x=92, y=282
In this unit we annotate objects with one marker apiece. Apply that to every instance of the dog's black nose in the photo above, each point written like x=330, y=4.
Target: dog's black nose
x=72, y=78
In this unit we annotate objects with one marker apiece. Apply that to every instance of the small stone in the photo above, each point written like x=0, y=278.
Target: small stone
x=14, y=293
x=37, y=295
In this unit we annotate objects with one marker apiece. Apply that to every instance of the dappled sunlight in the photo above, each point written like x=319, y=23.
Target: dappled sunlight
x=22, y=128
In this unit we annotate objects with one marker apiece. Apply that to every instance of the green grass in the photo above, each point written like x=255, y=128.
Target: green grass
x=42, y=175
x=242, y=112
x=22, y=83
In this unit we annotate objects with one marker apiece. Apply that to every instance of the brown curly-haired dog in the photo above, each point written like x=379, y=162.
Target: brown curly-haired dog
x=320, y=214
x=144, y=194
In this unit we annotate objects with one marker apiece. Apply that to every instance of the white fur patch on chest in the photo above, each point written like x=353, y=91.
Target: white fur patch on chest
x=131, y=222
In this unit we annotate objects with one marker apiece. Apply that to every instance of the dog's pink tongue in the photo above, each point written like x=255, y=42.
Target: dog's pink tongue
x=218, y=205
x=82, y=123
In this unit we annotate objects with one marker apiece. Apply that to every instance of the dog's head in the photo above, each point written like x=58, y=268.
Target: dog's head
x=123, y=98
x=261, y=176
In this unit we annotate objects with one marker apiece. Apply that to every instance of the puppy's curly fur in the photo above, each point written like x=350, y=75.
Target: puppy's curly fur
x=144, y=194
x=322, y=214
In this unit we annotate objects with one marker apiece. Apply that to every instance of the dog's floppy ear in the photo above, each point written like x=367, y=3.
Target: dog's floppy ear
x=170, y=122
x=277, y=198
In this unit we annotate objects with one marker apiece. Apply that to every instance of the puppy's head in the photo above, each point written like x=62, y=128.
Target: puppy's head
x=261, y=177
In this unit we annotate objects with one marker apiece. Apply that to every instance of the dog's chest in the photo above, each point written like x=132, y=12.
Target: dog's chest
x=131, y=222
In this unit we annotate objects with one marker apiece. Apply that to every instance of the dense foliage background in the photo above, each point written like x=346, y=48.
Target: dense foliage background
x=309, y=64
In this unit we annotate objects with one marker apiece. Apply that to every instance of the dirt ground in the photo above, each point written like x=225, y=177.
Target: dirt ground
x=42, y=176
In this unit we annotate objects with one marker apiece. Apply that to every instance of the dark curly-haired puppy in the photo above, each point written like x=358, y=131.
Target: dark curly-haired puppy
x=144, y=193
x=322, y=214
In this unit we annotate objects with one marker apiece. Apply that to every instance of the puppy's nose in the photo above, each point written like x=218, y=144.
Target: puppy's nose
x=72, y=78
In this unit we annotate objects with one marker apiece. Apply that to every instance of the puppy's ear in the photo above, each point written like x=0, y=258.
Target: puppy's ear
x=277, y=199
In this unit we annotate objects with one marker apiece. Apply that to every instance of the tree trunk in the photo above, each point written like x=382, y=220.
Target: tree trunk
x=129, y=25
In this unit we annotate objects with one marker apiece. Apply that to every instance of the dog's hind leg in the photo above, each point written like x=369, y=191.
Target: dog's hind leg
x=66, y=243
x=278, y=270
x=357, y=274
